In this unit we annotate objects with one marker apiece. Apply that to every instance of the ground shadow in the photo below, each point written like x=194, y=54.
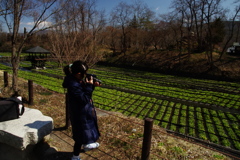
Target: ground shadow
x=59, y=156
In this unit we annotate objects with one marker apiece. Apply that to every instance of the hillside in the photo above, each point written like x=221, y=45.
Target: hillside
x=195, y=65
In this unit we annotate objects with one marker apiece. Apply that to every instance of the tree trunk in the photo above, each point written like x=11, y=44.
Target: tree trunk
x=15, y=64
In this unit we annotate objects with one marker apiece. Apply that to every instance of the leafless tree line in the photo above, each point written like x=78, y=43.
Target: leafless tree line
x=78, y=38
x=78, y=30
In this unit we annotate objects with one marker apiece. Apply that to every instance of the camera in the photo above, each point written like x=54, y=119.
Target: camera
x=88, y=76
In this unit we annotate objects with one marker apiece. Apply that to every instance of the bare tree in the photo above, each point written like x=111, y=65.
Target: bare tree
x=1, y=28
x=141, y=23
x=96, y=23
x=77, y=39
x=121, y=17
x=111, y=37
x=199, y=16
x=211, y=12
x=4, y=7
x=39, y=12
x=230, y=29
x=191, y=21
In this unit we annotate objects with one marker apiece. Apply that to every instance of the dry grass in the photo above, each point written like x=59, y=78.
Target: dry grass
x=194, y=64
x=121, y=136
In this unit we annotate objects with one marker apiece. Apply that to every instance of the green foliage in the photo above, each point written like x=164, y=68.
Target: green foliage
x=5, y=54
x=178, y=150
x=218, y=157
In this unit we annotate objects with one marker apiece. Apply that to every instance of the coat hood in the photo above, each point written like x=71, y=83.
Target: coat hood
x=68, y=80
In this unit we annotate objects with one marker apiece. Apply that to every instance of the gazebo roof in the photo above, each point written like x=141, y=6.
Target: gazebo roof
x=37, y=50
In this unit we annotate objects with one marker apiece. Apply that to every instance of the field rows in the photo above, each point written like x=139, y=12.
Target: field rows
x=217, y=126
x=214, y=125
x=221, y=94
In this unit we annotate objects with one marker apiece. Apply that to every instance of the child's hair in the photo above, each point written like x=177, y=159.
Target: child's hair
x=66, y=70
x=76, y=67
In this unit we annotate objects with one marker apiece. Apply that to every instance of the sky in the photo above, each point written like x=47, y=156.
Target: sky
x=158, y=6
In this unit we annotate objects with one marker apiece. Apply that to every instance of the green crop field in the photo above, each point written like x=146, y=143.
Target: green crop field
x=204, y=109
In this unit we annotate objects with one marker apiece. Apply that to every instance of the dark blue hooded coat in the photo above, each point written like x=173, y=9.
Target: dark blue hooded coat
x=82, y=112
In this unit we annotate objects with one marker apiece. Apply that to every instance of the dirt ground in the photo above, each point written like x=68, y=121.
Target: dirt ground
x=61, y=145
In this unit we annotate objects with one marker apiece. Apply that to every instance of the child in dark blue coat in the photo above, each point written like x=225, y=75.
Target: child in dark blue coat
x=82, y=112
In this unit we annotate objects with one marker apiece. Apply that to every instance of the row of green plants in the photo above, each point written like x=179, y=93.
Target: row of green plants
x=212, y=125
x=215, y=126
x=169, y=78
x=158, y=79
x=45, y=81
x=156, y=86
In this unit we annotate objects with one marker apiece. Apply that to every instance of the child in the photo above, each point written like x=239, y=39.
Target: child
x=82, y=112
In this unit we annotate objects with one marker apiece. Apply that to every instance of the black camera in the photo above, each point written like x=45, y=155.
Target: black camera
x=88, y=76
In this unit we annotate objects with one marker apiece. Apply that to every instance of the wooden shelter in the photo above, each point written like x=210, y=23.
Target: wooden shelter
x=38, y=56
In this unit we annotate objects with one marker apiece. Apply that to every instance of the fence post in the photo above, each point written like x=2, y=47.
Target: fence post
x=67, y=111
x=146, y=145
x=30, y=92
x=5, y=78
